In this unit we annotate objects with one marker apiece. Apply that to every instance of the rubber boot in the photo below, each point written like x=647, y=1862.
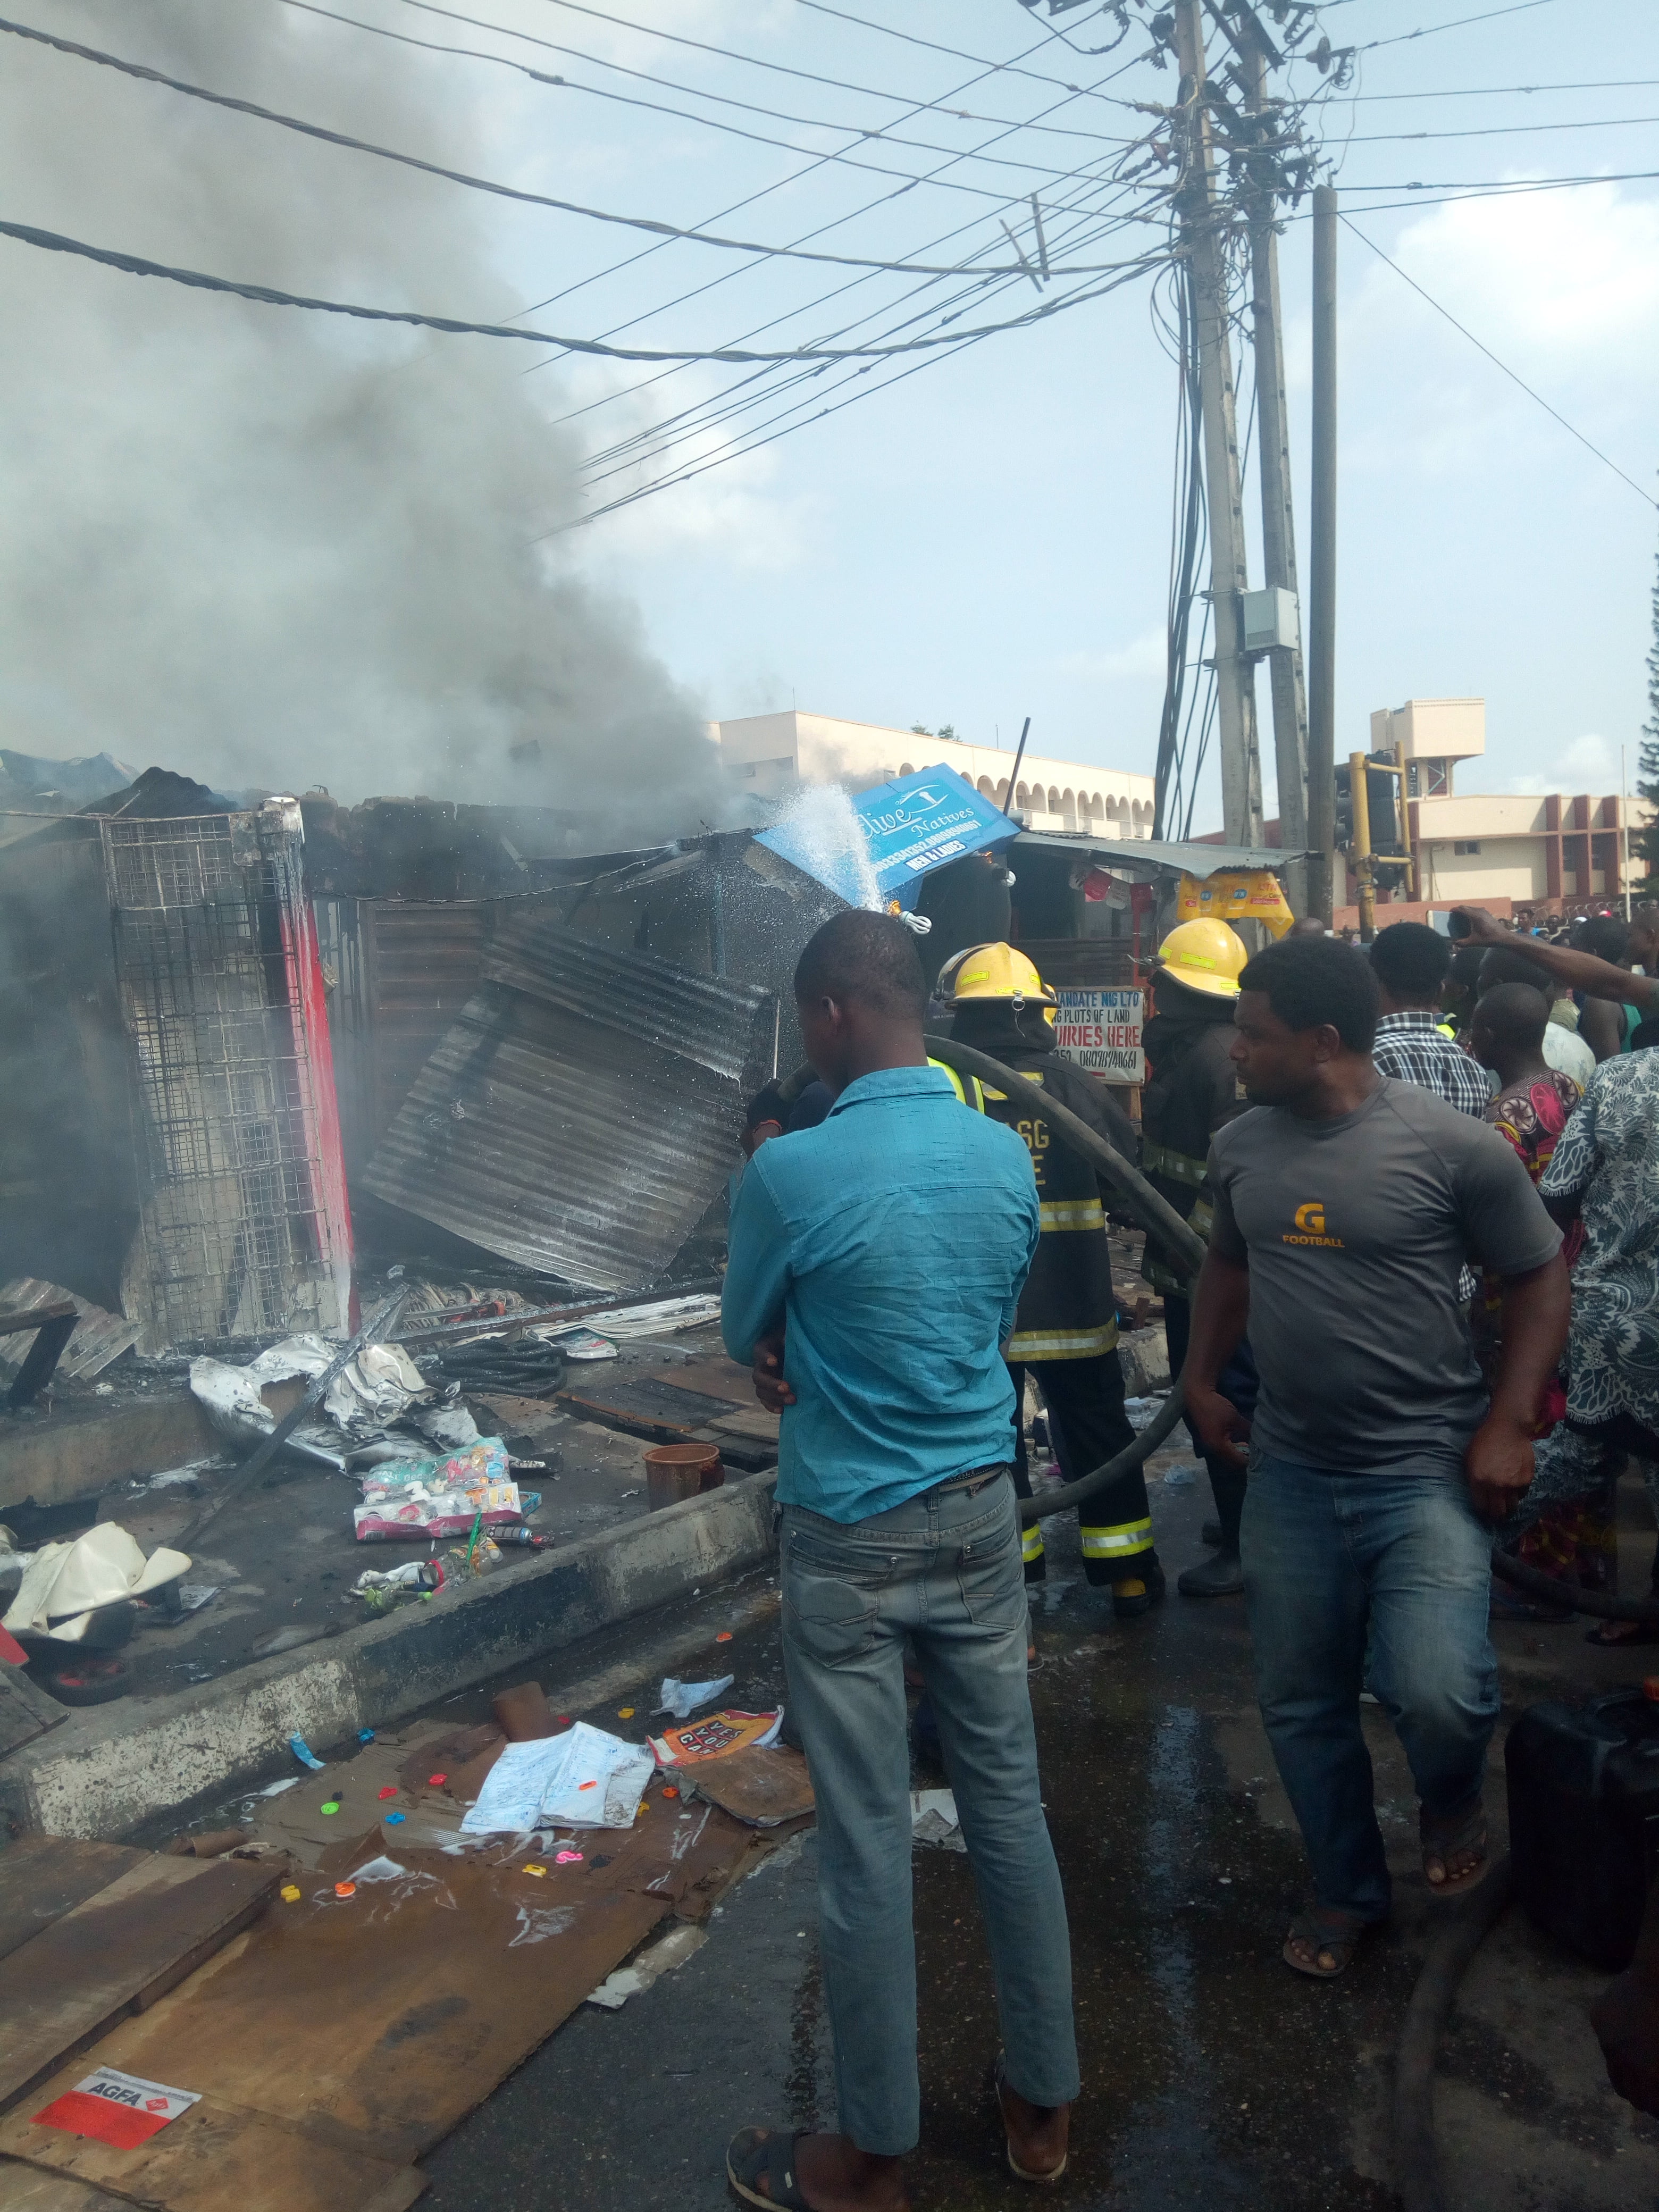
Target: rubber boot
x=1220, y=1575
x=1138, y=1593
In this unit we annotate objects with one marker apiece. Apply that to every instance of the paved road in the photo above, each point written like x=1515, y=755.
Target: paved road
x=1213, y=2076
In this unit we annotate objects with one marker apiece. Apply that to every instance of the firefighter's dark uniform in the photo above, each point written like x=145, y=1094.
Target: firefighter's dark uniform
x=1191, y=1090
x=1065, y=1332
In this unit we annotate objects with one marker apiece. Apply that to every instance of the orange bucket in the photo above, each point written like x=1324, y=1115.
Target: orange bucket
x=676, y=1471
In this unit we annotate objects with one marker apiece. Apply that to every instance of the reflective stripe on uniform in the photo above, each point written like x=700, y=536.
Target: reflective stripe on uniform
x=1180, y=1167
x=1062, y=1343
x=1072, y=1213
x=1031, y=1542
x=974, y=1092
x=1114, y=1543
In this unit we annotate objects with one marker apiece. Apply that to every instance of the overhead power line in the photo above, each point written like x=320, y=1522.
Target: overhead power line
x=817, y=122
x=134, y=265
x=147, y=76
x=959, y=53
x=1569, y=427
x=1429, y=30
x=1501, y=129
x=1496, y=91
x=760, y=62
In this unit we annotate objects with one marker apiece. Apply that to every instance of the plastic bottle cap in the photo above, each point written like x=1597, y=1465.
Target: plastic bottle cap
x=533, y=1869
x=671, y=1791
x=587, y=1785
x=389, y=1791
x=725, y=1637
x=392, y=1818
x=624, y=1712
x=345, y=1889
x=437, y=1780
x=332, y=1806
x=289, y=1892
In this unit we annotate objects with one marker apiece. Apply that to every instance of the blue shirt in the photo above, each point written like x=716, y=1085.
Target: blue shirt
x=895, y=1238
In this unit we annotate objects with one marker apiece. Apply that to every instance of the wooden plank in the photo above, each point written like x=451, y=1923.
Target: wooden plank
x=26, y=1710
x=643, y=1405
x=29, y=2188
x=124, y=1948
x=213, y=2158
x=43, y=1877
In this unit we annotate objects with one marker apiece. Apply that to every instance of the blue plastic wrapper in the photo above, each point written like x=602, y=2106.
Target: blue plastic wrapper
x=304, y=1753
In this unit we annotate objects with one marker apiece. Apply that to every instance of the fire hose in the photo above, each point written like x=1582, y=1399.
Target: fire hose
x=1416, y=2165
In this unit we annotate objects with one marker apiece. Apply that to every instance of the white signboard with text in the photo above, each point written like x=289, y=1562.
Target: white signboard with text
x=1100, y=1030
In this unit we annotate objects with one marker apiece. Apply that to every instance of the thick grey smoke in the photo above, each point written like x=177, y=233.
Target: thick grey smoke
x=268, y=548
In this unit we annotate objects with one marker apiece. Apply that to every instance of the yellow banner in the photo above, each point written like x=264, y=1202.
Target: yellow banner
x=1244, y=895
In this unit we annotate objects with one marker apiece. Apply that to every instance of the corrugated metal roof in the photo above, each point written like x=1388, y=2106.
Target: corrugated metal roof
x=99, y=1337
x=1193, y=859
x=705, y=1018
x=583, y=1111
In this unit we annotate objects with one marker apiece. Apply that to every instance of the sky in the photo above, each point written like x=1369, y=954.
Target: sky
x=986, y=538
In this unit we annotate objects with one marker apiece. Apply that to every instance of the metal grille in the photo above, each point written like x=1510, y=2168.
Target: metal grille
x=236, y=1237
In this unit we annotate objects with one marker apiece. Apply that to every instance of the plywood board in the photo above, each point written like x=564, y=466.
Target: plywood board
x=26, y=1710
x=138, y=1935
x=215, y=2158
x=43, y=1877
x=763, y=1786
x=29, y=2188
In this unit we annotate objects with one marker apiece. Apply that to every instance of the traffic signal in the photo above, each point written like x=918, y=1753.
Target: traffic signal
x=1344, y=809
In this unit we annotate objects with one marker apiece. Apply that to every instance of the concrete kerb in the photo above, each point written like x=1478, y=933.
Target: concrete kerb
x=103, y=1771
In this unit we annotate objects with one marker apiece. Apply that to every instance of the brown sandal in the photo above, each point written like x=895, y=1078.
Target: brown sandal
x=1324, y=1928
x=999, y=2083
x=1442, y=1840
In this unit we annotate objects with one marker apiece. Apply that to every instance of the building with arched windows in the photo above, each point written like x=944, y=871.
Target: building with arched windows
x=772, y=755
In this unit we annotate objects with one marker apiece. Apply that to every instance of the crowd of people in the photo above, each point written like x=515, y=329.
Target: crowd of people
x=1426, y=1177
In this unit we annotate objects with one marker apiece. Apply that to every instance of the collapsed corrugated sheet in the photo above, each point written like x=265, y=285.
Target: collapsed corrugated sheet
x=99, y=1337
x=583, y=1113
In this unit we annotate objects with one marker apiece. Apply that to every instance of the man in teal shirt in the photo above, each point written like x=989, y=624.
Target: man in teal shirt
x=876, y=1265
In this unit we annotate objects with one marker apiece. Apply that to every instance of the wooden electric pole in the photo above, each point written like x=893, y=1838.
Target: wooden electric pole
x=1202, y=220
x=1278, y=515
x=1322, y=581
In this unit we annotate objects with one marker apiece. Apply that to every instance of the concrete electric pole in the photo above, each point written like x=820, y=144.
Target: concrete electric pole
x=1201, y=224
x=1278, y=515
x=1321, y=593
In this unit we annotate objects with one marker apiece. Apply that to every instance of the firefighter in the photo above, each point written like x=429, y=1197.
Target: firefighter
x=1190, y=1090
x=1065, y=1332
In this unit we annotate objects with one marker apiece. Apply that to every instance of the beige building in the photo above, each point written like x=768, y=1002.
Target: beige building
x=1525, y=849
x=771, y=754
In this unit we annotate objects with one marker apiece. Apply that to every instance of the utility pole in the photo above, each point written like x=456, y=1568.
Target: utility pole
x=1321, y=582
x=1240, y=759
x=1365, y=892
x=1278, y=515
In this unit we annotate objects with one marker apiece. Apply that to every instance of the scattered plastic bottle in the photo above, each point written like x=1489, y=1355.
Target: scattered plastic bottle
x=518, y=1536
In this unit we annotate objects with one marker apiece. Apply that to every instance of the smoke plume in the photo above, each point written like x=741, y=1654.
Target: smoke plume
x=273, y=549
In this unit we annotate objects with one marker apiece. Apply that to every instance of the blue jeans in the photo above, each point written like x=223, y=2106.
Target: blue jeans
x=945, y=1570
x=1327, y=1558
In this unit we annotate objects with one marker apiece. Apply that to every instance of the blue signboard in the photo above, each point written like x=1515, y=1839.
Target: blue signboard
x=906, y=828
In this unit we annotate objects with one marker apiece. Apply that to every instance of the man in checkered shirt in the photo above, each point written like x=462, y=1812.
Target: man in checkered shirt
x=1410, y=962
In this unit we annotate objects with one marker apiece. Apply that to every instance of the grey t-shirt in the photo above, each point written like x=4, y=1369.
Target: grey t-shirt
x=1355, y=1232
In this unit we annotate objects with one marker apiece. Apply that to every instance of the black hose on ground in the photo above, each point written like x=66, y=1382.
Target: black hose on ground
x=1138, y=1199
x=1416, y=2169
x=1555, y=1592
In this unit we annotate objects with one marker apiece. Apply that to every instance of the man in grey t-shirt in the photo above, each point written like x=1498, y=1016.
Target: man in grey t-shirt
x=1346, y=1205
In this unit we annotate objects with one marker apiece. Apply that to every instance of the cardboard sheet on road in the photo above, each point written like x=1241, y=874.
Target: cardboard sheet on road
x=340, y=2037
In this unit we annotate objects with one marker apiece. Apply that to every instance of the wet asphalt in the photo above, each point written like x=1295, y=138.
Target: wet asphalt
x=1213, y=2075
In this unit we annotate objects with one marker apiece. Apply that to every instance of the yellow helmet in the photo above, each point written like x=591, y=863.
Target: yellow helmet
x=993, y=971
x=1204, y=955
